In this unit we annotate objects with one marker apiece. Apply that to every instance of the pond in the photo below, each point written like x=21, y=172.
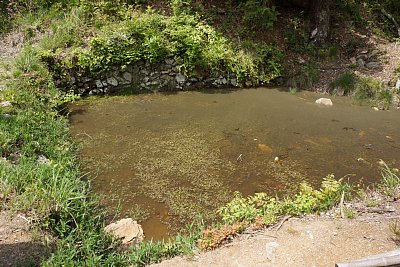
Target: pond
x=164, y=159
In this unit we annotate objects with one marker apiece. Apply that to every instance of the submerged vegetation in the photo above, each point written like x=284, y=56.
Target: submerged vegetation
x=39, y=169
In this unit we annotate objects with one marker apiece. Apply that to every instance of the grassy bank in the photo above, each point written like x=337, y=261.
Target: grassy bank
x=39, y=170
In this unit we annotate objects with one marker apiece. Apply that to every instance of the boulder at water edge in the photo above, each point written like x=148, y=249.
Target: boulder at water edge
x=324, y=101
x=127, y=229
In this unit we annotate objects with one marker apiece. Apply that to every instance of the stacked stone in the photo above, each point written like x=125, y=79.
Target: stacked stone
x=144, y=76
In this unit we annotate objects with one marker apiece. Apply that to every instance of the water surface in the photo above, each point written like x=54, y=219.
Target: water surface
x=165, y=159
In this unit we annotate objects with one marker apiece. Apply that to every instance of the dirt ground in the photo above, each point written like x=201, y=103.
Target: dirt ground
x=308, y=241
x=18, y=244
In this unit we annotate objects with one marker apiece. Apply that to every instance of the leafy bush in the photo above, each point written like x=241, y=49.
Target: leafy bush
x=153, y=37
x=259, y=13
x=373, y=91
x=308, y=200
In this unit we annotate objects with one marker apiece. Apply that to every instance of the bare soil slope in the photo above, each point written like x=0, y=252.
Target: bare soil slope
x=309, y=241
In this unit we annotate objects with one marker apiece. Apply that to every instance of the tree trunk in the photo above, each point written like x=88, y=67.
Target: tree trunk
x=320, y=14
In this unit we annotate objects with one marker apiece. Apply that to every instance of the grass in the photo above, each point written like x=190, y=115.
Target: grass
x=390, y=181
x=345, y=82
x=369, y=90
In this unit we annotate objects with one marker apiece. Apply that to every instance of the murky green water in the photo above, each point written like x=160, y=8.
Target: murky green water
x=164, y=159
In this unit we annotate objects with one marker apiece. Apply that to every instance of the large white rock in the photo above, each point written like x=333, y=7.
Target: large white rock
x=324, y=101
x=127, y=229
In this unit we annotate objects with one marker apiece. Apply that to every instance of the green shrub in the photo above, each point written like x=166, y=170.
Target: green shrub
x=345, y=82
x=374, y=92
x=259, y=14
x=154, y=37
x=308, y=200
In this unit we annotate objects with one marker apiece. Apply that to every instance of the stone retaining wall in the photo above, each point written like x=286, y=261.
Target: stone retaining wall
x=143, y=76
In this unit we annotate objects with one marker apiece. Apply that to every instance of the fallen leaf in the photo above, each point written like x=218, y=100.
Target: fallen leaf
x=265, y=148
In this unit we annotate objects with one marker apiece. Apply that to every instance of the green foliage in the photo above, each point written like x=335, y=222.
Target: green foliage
x=308, y=200
x=259, y=14
x=51, y=191
x=152, y=252
x=374, y=92
x=305, y=77
x=390, y=182
x=349, y=213
x=180, y=7
x=154, y=37
x=376, y=14
x=296, y=36
x=345, y=82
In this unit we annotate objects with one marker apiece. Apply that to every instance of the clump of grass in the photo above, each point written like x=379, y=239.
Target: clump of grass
x=364, y=90
x=394, y=227
x=345, y=83
x=372, y=91
x=305, y=77
x=349, y=213
x=390, y=184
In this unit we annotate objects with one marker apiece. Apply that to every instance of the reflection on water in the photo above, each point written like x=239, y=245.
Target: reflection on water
x=165, y=159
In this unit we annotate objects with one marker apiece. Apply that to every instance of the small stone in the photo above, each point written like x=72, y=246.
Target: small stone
x=353, y=60
x=5, y=104
x=112, y=81
x=397, y=86
x=301, y=60
x=360, y=62
x=270, y=248
x=72, y=80
x=6, y=116
x=144, y=71
x=43, y=159
x=234, y=82
x=169, y=61
x=127, y=76
x=372, y=65
x=224, y=81
x=248, y=83
x=180, y=78
x=374, y=53
x=99, y=84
